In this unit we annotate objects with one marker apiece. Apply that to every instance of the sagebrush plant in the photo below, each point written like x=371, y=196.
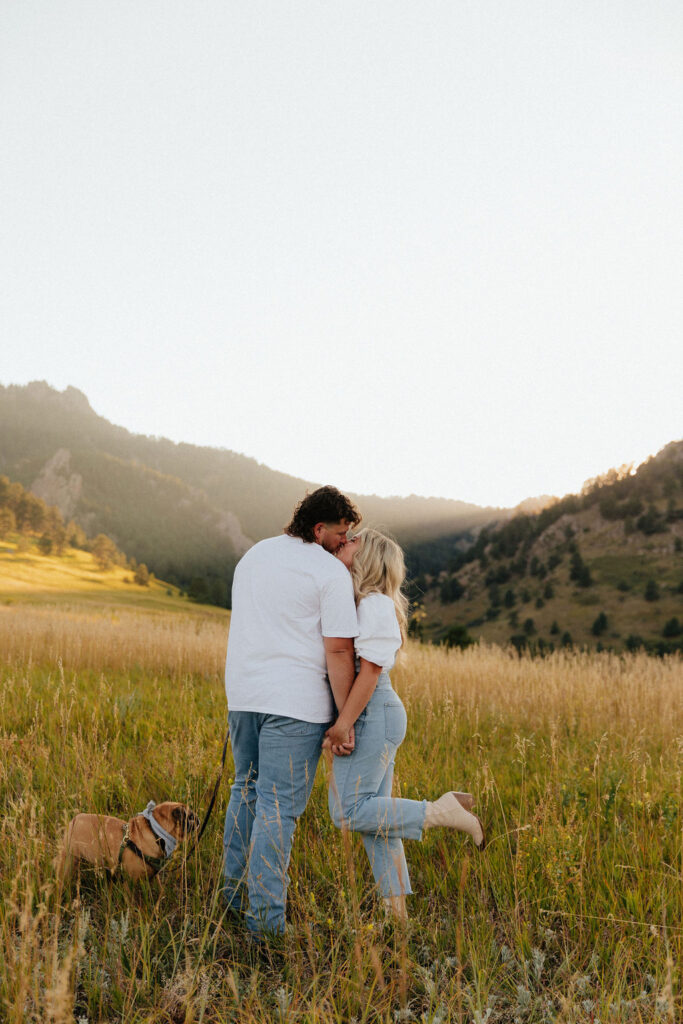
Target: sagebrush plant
x=573, y=913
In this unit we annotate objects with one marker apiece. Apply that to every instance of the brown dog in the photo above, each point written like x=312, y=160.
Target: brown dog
x=107, y=842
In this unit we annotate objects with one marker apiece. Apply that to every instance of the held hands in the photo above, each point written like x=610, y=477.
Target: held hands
x=340, y=739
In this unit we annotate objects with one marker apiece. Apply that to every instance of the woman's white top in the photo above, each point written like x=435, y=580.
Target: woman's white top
x=379, y=635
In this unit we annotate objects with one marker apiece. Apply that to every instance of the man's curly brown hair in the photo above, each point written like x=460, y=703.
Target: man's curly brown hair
x=326, y=505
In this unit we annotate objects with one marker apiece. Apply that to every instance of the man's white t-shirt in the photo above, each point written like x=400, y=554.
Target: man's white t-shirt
x=286, y=596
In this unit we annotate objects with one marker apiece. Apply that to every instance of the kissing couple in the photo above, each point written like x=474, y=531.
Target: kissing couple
x=318, y=617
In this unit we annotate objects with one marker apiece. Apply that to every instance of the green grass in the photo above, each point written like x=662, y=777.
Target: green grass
x=29, y=577
x=572, y=914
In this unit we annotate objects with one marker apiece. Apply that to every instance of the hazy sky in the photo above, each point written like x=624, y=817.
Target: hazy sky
x=430, y=247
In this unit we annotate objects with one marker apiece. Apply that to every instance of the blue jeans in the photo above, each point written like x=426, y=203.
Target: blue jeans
x=275, y=764
x=360, y=791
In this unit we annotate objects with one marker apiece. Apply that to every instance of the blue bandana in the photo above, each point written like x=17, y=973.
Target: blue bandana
x=168, y=843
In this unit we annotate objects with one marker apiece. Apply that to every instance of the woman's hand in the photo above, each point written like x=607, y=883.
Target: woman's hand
x=341, y=740
x=338, y=734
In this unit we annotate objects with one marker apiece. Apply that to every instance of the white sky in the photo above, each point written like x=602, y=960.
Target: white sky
x=429, y=247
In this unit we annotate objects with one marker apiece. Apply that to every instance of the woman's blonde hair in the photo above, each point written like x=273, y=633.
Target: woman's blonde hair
x=378, y=568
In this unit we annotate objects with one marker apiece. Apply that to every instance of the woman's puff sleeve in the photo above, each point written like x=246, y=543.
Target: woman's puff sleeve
x=379, y=636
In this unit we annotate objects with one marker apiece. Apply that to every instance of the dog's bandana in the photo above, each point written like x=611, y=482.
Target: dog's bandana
x=168, y=843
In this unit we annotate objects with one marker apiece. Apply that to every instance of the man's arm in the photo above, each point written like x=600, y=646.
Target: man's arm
x=341, y=667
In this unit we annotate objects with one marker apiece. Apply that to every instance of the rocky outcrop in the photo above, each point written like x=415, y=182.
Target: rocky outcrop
x=230, y=525
x=57, y=485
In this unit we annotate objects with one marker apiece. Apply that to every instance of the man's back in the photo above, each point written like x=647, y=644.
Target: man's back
x=287, y=594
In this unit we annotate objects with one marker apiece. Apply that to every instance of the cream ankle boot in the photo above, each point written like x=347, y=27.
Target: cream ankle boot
x=450, y=811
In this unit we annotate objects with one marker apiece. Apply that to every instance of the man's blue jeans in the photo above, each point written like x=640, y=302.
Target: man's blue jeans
x=275, y=764
x=360, y=791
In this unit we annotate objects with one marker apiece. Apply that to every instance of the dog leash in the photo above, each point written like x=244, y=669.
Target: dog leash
x=209, y=809
x=212, y=801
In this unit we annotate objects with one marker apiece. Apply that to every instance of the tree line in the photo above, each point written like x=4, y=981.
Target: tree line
x=22, y=512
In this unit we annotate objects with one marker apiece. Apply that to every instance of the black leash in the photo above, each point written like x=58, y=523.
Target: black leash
x=209, y=809
x=216, y=787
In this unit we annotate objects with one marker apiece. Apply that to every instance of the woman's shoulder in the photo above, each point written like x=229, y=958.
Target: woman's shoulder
x=376, y=608
x=375, y=600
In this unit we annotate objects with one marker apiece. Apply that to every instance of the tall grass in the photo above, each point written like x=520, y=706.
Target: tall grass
x=105, y=638
x=573, y=913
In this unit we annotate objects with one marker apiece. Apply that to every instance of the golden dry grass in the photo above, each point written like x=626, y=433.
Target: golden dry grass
x=574, y=913
x=82, y=637
x=628, y=696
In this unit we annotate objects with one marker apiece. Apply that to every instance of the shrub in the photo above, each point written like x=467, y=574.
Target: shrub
x=579, y=571
x=651, y=522
x=457, y=636
x=45, y=544
x=519, y=642
x=451, y=590
x=141, y=575
x=7, y=522
x=651, y=591
x=600, y=625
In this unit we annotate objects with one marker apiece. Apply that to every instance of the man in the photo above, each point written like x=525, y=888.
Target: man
x=292, y=627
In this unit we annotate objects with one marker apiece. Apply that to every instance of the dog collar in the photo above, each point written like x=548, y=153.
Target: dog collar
x=168, y=843
x=155, y=863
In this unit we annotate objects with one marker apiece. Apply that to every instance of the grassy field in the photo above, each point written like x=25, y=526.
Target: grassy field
x=572, y=914
x=29, y=577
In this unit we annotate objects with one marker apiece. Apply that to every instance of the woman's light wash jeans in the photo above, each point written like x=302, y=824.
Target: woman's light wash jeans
x=360, y=791
x=275, y=763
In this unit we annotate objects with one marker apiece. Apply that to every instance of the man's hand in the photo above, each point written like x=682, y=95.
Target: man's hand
x=340, y=748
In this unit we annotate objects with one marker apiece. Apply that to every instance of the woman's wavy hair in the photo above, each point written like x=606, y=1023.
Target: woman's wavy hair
x=326, y=505
x=379, y=568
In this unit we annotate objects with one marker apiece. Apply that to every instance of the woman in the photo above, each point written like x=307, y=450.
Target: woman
x=360, y=789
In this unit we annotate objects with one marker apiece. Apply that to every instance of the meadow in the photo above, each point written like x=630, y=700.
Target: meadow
x=572, y=914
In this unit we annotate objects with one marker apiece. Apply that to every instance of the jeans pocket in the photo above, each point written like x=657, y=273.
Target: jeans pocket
x=360, y=723
x=395, y=722
x=295, y=727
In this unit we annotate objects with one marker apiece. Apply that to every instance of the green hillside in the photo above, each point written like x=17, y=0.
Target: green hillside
x=27, y=576
x=186, y=511
x=602, y=569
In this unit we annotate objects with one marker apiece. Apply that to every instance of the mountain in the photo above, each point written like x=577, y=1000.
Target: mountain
x=185, y=511
x=602, y=568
